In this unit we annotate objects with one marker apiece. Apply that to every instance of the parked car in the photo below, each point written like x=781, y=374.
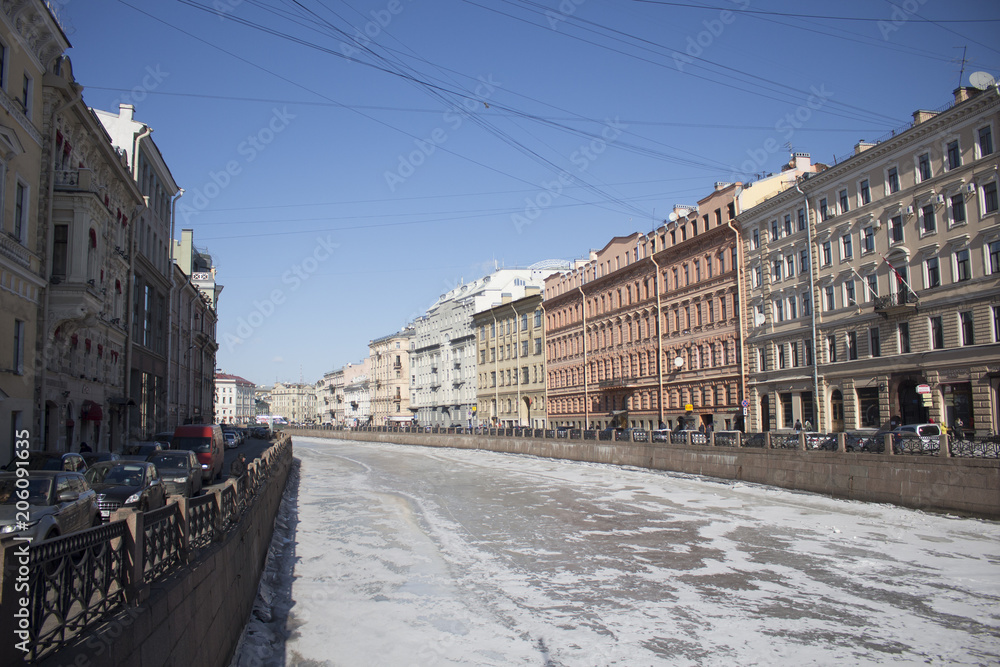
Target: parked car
x=206, y=441
x=126, y=484
x=179, y=471
x=60, y=502
x=90, y=458
x=68, y=461
x=231, y=441
x=916, y=438
x=140, y=451
x=164, y=437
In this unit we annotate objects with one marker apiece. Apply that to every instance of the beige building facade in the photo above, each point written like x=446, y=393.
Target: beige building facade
x=390, y=378
x=510, y=350
x=873, y=287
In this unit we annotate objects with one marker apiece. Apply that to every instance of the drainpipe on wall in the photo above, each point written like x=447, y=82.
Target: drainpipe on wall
x=740, y=315
x=659, y=329
x=48, y=264
x=812, y=308
x=586, y=394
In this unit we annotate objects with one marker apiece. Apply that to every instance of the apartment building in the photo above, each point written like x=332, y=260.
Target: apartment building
x=873, y=286
x=390, y=387
x=31, y=44
x=357, y=393
x=510, y=346
x=644, y=332
x=234, y=400
x=294, y=401
x=149, y=257
x=443, y=369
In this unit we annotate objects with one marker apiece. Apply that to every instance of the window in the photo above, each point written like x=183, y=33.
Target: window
x=852, y=345
x=824, y=209
x=3, y=66
x=937, y=333
x=831, y=349
x=865, y=192
x=930, y=224
x=26, y=90
x=790, y=266
x=788, y=224
x=806, y=304
x=874, y=342
x=985, y=141
x=904, y=337
x=18, y=347
x=779, y=311
x=867, y=240
x=996, y=324
x=933, y=273
x=963, y=269
x=827, y=254
x=538, y=318
x=872, y=281
x=829, y=296
x=538, y=346
x=954, y=156
x=957, y=209
x=60, y=249
x=993, y=261
x=755, y=276
x=807, y=349
x=924, y=166
x=776, y=270
x=896, y=229
x=892, y=180
x=846, y=247
x=802, y=219
x=804, y=261
x=524, y=348
x=844, y=207
x=990, y=197
x=849, y=293
x=781, y=355
x=792, y=308
x=755, y=239
x=967, y=328
x=524, y=321
x=20, y=211
x=793, y=354
x=775, y=231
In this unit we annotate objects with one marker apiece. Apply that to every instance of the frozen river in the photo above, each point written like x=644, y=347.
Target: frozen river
x=418, y=556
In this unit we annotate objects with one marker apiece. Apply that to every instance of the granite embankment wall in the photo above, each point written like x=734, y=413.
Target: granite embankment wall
x=962, y=485
x=195, y=616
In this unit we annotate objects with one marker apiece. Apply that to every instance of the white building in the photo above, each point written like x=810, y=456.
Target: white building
x=443, y=353
x=234, y=399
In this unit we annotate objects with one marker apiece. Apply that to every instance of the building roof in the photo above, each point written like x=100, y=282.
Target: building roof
x=232, y=378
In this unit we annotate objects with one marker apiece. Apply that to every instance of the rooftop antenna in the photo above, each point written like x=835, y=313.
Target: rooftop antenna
x=961, y=73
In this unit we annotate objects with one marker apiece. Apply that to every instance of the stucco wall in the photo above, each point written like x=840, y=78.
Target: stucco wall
x=964, y=485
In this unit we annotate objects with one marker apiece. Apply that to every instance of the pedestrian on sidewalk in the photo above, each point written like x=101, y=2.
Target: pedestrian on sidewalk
x=238, y=468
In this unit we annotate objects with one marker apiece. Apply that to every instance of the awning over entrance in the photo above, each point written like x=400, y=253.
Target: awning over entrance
x=91, y=411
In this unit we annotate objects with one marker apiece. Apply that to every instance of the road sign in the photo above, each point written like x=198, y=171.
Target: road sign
x=923, y=389
x=746, y=403
x=689, y=407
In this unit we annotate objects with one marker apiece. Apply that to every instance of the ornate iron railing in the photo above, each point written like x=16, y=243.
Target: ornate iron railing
x=82, y=578
x=983, y=447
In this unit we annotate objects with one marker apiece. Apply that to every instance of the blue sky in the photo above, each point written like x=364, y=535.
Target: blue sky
x=345, y=163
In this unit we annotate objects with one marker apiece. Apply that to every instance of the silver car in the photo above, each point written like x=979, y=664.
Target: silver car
x=50, y=504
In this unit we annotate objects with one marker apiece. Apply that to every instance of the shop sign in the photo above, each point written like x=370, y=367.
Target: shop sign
x=923, y=389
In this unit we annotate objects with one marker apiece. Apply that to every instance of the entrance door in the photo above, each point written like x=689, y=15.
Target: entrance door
x=837, y=411
x=911, y=409
x=765, y=412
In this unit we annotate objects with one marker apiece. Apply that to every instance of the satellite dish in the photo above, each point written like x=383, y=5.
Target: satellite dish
x=758, y=319
x=673, y=216
x=981, y=80
x=678, y=362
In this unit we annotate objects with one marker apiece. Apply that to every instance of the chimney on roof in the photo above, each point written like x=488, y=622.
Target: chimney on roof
x=963, y=93
x=862, y=146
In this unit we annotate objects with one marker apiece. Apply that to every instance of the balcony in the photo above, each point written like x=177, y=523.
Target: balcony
x=617, y=383
x=897, y=303
x=14, y=251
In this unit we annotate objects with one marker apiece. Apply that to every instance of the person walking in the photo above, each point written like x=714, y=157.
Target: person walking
x=798, y=426
x=238, y=468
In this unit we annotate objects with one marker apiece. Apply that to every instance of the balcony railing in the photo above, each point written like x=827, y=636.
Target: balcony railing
x=896, y=302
